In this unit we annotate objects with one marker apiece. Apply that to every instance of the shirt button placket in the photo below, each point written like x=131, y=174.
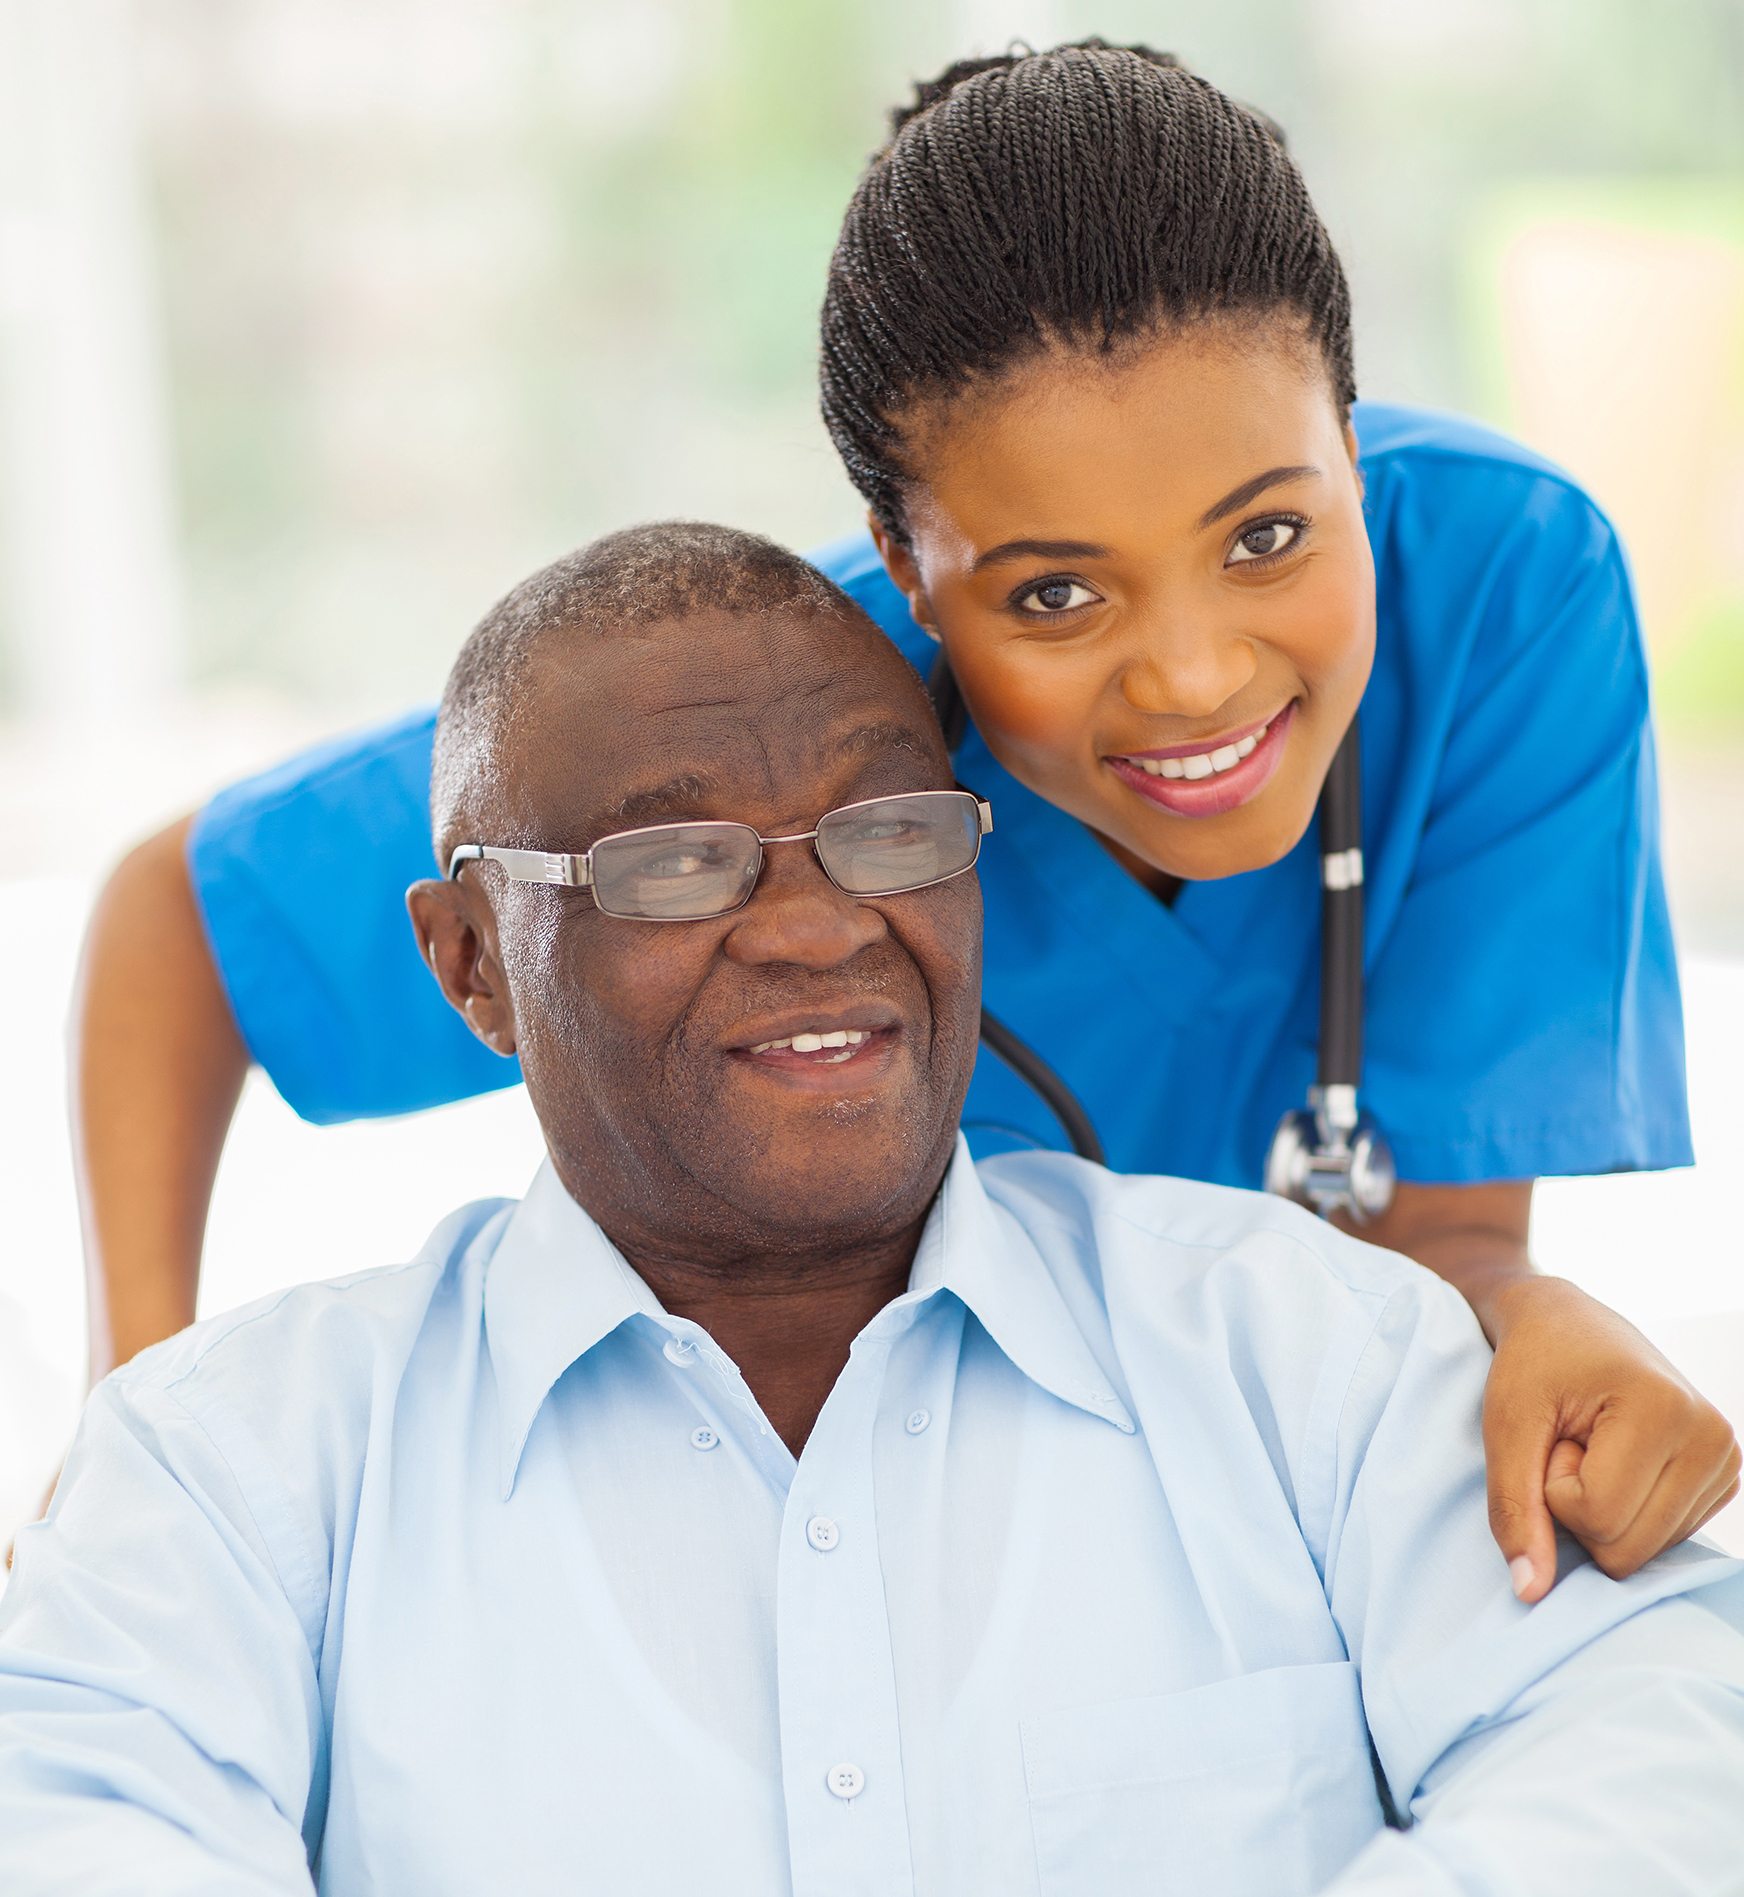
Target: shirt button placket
x=846, y=1802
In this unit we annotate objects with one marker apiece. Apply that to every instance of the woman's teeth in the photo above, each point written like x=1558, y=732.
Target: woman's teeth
x=1207, y=763
x=849, y=1040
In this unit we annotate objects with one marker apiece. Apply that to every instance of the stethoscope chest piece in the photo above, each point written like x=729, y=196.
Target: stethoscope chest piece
x=1331, y=1158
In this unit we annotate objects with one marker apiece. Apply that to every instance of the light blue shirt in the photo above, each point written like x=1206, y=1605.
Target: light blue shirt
x=1120, y=1534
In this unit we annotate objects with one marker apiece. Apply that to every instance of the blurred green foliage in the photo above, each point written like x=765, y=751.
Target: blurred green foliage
x=414, y=352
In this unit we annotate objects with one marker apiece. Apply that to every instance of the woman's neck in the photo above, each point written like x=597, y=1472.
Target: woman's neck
x=1159, y=882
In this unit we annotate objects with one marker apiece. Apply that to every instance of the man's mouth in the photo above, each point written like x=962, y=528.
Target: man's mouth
x=854, y=1037
x=823, y=1047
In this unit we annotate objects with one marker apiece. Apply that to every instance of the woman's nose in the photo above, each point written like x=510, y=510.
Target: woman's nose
x=797, y=916
x=1180, y=674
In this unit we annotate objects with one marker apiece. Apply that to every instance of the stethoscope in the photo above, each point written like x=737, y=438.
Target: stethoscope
x=1329, y=1155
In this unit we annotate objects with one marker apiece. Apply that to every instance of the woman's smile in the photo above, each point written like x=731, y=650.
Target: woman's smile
x=1217, y=777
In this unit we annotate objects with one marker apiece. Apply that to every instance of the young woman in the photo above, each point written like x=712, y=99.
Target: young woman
x=1086, y=354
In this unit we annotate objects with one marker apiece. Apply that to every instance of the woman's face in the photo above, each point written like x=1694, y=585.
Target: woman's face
x=1153, y=581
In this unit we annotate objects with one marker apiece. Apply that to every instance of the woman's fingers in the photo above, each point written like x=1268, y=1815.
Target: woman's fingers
x=1723, y=1490
x=1600, y=1497
x=1518, y=1440
x=1627, y=1453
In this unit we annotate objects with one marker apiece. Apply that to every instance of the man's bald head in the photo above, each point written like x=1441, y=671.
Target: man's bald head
x=661, y=573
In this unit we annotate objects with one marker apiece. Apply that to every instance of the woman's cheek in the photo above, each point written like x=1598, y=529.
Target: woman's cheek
x=1033, y=717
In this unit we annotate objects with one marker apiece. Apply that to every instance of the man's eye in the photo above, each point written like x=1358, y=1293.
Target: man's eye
x=1262, y=541
x=685, y=862
x=1048, y=597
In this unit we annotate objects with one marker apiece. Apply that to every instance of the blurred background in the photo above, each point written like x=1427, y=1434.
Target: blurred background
x=320, y=325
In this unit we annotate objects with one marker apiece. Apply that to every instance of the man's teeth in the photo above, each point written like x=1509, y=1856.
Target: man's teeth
x=1206, y=764
x=849, y=1038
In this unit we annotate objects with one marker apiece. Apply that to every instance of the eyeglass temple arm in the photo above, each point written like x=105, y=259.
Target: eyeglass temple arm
x=525, y=866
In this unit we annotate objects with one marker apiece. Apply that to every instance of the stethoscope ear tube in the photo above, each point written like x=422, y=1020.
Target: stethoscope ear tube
x=1341, y=918
x=1018, y=1055
x=1330, y=1156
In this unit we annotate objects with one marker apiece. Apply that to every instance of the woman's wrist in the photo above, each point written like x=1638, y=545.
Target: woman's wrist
x=1492, y=1271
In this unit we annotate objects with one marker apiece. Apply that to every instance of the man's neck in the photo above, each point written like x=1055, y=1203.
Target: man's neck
x=787, y=1323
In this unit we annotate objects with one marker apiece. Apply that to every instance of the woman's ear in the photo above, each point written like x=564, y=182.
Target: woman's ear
x=457, y=937
x=899, y=564
x=1351, y=448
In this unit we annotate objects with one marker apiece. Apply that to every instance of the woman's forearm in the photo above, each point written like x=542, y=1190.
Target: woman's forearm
x=1473, y=1236
x=157, y=1065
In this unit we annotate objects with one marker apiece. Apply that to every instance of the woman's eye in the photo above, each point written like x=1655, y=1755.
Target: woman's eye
x=1047, y=597
x=1261, y=541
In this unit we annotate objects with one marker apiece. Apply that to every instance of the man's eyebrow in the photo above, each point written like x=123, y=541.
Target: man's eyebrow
x=1238, y=497
x=640, y=807
x=1039, y=550
x=677, y=798
x=884, y=734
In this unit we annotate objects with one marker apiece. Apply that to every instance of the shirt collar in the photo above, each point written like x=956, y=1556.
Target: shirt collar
x=556, y=1286
x=978, y=1251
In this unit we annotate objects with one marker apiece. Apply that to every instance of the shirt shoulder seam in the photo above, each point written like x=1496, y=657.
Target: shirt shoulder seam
x=315, y=1616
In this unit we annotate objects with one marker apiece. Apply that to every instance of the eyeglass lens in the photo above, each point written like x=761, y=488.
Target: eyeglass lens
x=899, y=843
x=677, y=874
x=685, y=872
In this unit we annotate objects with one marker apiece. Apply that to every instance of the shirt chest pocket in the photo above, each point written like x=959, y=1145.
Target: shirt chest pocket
x=1260, y=1784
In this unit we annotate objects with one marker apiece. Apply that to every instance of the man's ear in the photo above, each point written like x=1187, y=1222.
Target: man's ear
x=899, y=564
x=458, y=941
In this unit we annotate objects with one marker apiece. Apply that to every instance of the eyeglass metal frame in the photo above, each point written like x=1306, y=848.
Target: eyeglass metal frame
x=574, y=869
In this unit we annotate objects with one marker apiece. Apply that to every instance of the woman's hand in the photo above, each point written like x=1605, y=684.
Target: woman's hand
x=1586, y=1424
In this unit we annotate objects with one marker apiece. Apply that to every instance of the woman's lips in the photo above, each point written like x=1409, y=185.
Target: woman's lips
x=1217, y=791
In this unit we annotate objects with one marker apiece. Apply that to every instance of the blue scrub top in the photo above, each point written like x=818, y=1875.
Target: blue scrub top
x=1523, y=1015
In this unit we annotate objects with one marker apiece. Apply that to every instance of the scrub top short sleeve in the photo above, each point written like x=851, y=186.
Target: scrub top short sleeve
x=301, y=876
x=1523, y=1013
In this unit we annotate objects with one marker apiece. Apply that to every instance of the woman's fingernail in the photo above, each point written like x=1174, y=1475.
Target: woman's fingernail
x=1520, y=1572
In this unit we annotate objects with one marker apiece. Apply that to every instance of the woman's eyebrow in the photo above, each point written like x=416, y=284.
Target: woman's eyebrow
x=1039, y=550
x=1238, y=497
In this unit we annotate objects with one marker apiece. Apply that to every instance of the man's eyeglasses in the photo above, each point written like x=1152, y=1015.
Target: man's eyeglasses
x=687, y=872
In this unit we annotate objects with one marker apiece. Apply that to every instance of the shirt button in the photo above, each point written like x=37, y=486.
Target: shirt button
x=823, y=1534
x=703, y=1438
x=846, y=1781
x=917, y=1421
x=679, y=1350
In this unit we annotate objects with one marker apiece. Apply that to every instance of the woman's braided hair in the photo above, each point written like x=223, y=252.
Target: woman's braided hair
x=1084, y=196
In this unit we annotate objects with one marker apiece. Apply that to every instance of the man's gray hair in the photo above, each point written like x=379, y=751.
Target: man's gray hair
x=640, y=576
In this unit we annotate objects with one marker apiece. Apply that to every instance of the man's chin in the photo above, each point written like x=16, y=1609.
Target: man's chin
x=853, y=1164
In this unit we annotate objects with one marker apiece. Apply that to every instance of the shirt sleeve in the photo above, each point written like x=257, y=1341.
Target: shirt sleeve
x=160, y=1721
x=301, y=875
x=1523, y=1012
x=1594, y=1742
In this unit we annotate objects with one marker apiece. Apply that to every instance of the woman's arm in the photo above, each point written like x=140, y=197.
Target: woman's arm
x=157, y=1067
x=1585, y=1423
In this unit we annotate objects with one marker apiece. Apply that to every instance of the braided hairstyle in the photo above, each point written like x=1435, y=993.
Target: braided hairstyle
x=1083, y=196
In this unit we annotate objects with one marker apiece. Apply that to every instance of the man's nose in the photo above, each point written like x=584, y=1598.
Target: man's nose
x=1185, y=672
x=797, y=915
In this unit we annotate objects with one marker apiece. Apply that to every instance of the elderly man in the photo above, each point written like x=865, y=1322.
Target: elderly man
x=772, y=1500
